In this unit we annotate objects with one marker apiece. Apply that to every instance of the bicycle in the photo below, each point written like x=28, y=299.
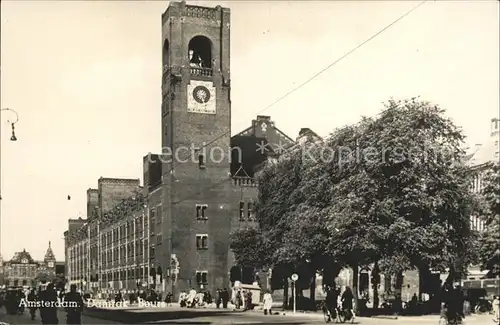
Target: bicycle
x=443, y=320
x=341, y=315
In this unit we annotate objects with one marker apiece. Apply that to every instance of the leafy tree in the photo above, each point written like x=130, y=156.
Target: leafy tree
x=44, y=277
x=400, y=191
x=249, y=247
x=490, y=238
x=392, y=190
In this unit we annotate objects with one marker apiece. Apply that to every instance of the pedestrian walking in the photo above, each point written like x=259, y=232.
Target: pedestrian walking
x=48, y=308
x=74, y=309
x=225, y=298
x=496, y=309
x=218, y=298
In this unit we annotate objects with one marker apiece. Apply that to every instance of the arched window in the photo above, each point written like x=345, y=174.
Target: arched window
x=165, y=54
x=200, y=52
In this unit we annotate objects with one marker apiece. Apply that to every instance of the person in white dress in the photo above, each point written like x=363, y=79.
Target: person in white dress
x=191, y=297
x=182, y=298
x=268, y=303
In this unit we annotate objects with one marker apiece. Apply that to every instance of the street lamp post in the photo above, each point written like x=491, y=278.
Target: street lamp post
x=12, y=138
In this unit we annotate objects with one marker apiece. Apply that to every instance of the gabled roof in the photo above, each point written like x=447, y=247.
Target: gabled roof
x=20, y=256
x=250, y=131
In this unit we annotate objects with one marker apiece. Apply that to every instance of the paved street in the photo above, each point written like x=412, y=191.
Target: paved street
x=314, y=319
x=218, y=317
x=25, y=319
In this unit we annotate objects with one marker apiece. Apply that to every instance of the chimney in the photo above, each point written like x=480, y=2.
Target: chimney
x=495, y=126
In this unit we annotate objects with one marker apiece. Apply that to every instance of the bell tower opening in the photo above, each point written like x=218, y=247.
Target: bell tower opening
x=200, y=52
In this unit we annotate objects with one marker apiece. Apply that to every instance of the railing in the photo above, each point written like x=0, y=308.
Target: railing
x=201, y=72
x=194, y=71
x=201, y=12
x=245, y=181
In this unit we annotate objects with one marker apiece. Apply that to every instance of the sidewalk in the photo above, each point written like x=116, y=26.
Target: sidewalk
x=427, y=319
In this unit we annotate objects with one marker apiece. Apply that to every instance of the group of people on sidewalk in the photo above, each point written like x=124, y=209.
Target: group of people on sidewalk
x=145, y=295
x=47, y=302
x=194, y=298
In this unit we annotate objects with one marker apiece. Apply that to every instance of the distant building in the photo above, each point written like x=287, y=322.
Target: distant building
x=480, y=160
x=23, y=270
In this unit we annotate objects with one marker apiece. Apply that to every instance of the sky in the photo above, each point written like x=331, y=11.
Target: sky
x=85, y=79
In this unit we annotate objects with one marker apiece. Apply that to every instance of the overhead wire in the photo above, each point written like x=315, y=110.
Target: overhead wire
x=308, y=81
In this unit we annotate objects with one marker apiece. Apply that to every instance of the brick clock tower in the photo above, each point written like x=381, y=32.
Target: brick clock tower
x=196, y=118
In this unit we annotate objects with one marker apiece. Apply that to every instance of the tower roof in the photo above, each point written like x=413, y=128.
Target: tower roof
x=49, y=255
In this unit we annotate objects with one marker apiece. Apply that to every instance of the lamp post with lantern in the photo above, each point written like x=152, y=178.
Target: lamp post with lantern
x=12, y=138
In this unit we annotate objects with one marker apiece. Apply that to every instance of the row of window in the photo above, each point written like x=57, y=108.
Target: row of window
x=245, y=212
x=201, y=276
x=138, y=273
x=20, y=272
x=133, y=227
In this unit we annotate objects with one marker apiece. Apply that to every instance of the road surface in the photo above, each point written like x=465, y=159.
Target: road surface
x=25, y=318
x=250, y=318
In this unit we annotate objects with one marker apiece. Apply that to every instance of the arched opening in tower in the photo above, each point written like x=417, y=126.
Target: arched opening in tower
x=200, y=52
x=165, y=54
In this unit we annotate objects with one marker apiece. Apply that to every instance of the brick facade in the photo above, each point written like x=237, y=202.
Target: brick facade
x=178, y=236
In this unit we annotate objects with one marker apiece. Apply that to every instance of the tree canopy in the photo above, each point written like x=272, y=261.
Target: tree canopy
x=490, y=238
x=392, y=189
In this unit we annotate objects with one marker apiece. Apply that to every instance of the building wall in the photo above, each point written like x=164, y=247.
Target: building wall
x=112, y=191
x=92, y=201
x=128, y=250
x=185, y=184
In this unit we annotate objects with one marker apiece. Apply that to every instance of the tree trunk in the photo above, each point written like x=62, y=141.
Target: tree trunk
x=375, y=285
x=285, y=294
x=376, y=300
x=312, y=290
x=355, y=285
x=398, y=290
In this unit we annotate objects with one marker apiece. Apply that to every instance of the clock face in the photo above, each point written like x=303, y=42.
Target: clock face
x=201, y=97
x=51, y=264
x=201, y=94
